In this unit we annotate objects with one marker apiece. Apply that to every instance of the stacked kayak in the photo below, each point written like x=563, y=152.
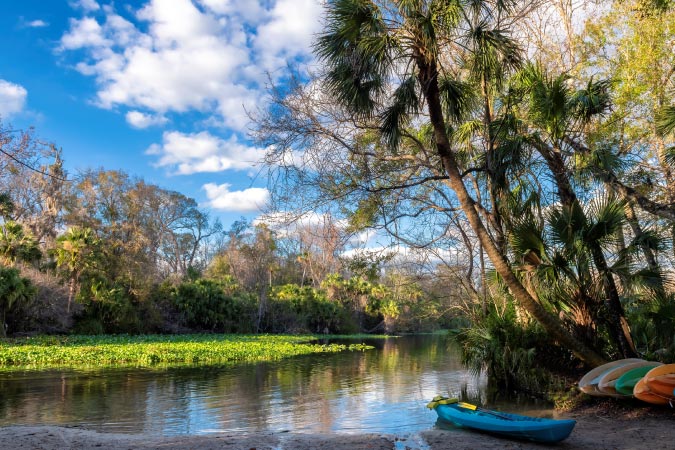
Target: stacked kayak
x=657, y=386
x=504, y=424
x=590, y=383
x=649, y=381
x=607, y=383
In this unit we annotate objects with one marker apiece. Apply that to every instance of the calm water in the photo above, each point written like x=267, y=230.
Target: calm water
x=382, y=391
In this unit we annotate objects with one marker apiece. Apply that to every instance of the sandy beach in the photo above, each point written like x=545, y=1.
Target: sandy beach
x=599, y=427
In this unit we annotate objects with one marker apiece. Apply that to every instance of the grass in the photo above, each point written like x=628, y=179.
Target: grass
x=153, y=350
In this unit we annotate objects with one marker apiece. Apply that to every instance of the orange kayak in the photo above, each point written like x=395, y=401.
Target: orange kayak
x=661, y=380
x=642, y=392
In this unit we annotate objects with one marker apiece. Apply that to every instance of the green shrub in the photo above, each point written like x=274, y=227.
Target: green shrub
x=296, y=308
x=204, y=305
x=652, y=323
x=515, y=352
x=107, y=308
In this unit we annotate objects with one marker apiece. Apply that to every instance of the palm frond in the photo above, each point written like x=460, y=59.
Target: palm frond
x=607, y=215
x=670, y=155
x=566, y=223
x=665, y=120
x=356, y=49
x=527, y=77
x=495, y=53
x=593, y=100
x=405, y=101
x=602, y=159
x=527, y=240
x=445, y=14
x=467, y=131
x=650, y=239
x=510, y=157
x=457, y=96
x=409, y=7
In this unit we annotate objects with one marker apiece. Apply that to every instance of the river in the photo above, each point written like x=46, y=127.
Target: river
x=383, y=390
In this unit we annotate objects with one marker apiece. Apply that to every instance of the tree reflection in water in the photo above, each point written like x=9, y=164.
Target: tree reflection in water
x=383, y=390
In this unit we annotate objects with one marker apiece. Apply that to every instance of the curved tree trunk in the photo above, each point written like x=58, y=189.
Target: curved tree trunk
x=428, y=78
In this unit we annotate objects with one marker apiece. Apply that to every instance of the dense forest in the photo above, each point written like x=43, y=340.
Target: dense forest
x=520, y=155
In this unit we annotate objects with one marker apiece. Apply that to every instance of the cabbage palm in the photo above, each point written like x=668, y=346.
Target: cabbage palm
x=385, y=62
x=665, y=125
x=15, y=244
x=6, y=205
x=665, y=120
x=13, y=289
x=555, y=112
x=559, y=257
x=76, y=251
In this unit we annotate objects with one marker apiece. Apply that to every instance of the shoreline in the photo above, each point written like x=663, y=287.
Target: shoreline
x=599, y=426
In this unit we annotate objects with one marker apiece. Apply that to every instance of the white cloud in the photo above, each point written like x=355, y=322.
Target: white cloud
x=251, y=11
x=141, y=120
x=37, y=24
x=306, y=223
x=203, y=152
x=290, y=31
x=86, y=5
x=84, y=33
x=221, y=198
x=12, y=98
x=208, y=56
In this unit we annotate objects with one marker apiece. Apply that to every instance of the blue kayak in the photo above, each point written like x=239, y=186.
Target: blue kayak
x=506, y=424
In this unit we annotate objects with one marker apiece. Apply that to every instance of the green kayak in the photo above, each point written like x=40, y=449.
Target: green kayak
x=626, y=382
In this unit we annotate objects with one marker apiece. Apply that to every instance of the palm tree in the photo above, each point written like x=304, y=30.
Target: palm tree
x=6, y=205
x=553, y=111
x=558, y=261
x=13, y=289
x=76, y=251
x=367, y=43
x=665, y=120
x=17, y=245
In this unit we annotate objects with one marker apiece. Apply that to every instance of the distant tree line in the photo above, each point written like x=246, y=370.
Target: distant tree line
x=104, y=252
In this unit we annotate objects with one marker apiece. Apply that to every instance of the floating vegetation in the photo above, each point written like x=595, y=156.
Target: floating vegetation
x=153, y=350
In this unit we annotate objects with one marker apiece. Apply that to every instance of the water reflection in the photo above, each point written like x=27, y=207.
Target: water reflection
x=383, y=390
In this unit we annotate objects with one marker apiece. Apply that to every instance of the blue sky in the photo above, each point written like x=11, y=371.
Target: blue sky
x=157, y=88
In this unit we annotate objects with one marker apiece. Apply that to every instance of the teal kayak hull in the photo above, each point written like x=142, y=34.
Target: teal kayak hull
x=505, y=424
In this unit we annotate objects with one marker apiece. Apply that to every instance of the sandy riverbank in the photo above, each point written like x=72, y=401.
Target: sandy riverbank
x=598, y=428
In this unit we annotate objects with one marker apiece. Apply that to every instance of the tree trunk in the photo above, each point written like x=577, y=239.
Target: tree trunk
x=3, y=330
x=646, y=251
x=262, y=307
x=483, y=281
x=490, y=163
x=668, y=177
x=71, y=293
x=618, y=325
x=428, y=77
